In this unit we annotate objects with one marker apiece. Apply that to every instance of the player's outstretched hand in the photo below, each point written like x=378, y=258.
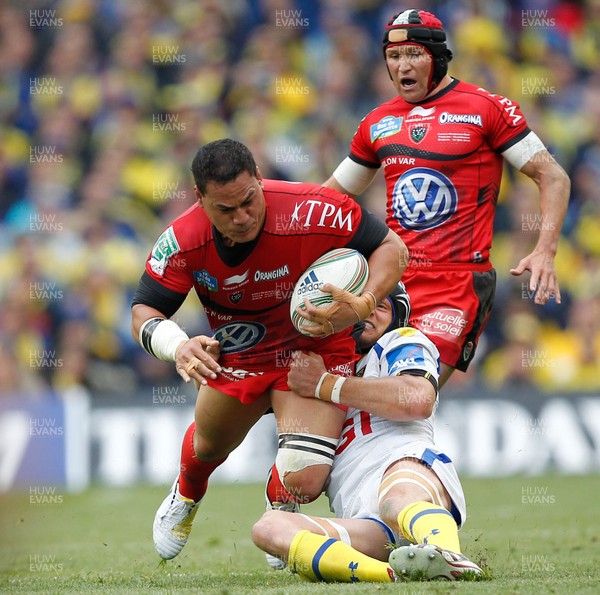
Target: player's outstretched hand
x=345, y=310
x=305, y=372
x=543, y=281
x=197, y=359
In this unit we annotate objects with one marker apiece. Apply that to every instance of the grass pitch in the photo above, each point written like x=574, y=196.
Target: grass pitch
x=531, y=535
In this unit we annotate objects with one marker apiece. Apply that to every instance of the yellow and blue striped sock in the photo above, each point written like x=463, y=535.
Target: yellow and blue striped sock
x=424, y=522
x=320, y=558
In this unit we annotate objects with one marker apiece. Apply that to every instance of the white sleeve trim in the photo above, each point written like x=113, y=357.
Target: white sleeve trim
x=353, y=177
x=522, y=152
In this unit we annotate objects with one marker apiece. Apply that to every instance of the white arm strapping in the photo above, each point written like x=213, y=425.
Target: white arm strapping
x=164, y=339
x=523, y=151
x=352, y=177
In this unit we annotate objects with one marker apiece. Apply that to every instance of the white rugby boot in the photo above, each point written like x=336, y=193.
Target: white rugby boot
x=173, y=523
x=273, y=561
x=423, y=561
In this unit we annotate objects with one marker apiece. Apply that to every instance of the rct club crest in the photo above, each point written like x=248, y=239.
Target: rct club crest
x=423, y=198
x=417, y=132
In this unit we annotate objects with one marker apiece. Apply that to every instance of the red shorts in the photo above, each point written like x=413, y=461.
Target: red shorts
x=452, y=306
x=248, y=386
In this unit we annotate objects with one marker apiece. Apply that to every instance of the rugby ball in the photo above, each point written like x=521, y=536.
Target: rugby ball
x=342, y=267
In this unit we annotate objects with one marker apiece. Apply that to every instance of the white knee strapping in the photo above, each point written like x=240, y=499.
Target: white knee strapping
x=423, y=482
x=297, y=451
x=314, y=522
x=344, y=535
x=342, y=532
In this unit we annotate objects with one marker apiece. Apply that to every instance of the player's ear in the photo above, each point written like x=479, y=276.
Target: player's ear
x=199, y=196
x=259, y=176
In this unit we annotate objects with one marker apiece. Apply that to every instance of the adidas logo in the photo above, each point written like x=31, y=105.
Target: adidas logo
x=310, y=283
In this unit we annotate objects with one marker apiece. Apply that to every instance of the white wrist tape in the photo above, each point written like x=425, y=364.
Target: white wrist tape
x=318, y=387
x=337, y=387
x=161, y=337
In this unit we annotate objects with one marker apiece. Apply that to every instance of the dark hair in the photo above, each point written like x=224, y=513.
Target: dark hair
x=221, y=161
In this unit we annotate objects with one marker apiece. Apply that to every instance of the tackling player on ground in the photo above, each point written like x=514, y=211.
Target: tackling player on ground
x=241, y=248
x=442, y=143
x=388, y=478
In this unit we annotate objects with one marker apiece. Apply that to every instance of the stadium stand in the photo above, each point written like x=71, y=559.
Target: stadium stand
x=104, y=102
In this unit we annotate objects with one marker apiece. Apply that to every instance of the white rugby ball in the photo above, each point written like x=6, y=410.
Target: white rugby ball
x=343, y=267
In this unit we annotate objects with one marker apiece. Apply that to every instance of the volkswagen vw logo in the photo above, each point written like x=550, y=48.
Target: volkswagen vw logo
x=239, y=336
x=423, y=199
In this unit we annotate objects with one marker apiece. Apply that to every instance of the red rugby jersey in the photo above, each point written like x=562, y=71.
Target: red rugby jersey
x=247, y=299
x=442, y=167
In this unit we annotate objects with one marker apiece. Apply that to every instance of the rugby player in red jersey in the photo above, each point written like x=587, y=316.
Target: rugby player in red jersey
x=442, y=143
x=242, y=247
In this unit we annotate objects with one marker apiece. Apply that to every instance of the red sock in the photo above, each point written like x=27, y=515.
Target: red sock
x=276, y=491
x=194, y=473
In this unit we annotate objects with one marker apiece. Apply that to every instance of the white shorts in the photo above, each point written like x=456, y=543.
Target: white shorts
x=357, y=472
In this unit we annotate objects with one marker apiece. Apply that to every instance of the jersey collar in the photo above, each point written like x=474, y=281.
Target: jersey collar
x=439, y=94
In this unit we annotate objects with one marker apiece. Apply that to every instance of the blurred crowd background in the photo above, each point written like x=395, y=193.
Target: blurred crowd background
x=103, y=104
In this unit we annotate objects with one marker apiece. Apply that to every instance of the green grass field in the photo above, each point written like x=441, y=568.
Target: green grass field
x=534, y=535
